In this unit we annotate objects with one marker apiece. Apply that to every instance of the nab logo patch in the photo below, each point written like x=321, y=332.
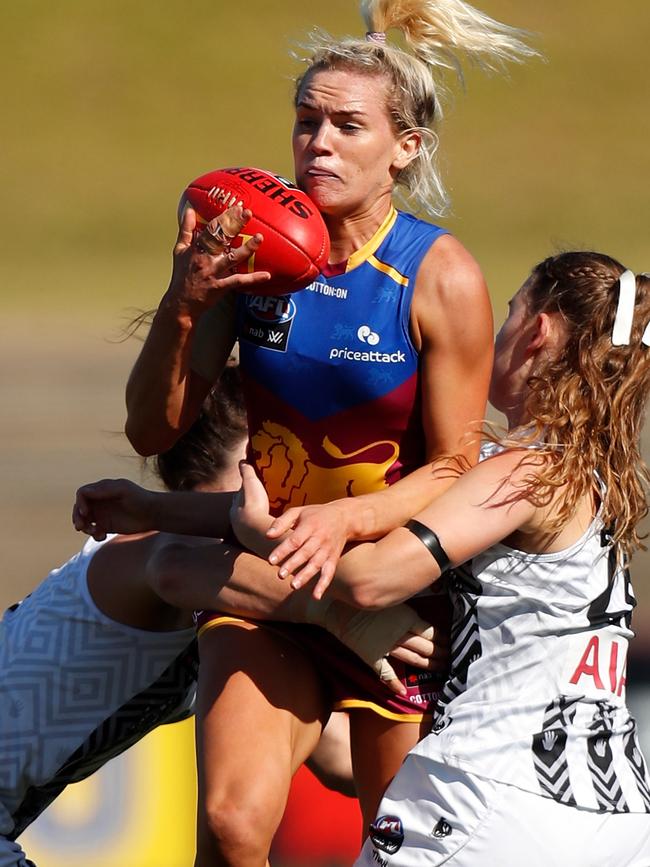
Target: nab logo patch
x=268, y=320
x=387, y=834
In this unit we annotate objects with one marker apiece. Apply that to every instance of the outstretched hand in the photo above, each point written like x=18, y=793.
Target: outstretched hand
x=315, y=541
x=199, y=278
x=112, y=506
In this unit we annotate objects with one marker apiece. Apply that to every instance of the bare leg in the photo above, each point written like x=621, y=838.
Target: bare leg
x=260, y=713
x=379, y=746
x=331, y=761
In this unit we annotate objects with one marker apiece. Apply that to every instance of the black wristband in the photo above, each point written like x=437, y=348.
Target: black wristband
x=430, y=541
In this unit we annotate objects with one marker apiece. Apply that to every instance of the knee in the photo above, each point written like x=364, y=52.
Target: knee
x=238, y=830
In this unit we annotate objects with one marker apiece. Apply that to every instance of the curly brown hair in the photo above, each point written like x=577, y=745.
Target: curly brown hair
x=587, y=404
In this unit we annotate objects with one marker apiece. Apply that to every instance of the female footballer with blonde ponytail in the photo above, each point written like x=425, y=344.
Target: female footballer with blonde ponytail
x=359, y=381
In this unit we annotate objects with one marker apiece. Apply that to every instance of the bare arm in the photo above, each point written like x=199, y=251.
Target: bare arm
x=480, y=509
x=155, y=580
x=164, y=393
x=150, y=579
x=452, y=328
x=218, y=576
x=121, y=506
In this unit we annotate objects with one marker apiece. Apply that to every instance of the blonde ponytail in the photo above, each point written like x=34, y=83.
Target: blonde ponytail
x=441, y=33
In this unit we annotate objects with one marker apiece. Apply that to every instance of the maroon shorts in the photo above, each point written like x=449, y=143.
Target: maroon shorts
x=348, y=681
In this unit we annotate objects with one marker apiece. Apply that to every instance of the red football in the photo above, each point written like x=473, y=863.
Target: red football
x=296, y=244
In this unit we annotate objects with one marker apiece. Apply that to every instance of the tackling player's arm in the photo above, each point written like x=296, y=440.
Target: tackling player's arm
x=121, y=506
x=153, y=581
x=486, y=505
x=221, y=577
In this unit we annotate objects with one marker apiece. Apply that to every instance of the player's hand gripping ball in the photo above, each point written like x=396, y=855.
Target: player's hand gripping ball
x=296, y=244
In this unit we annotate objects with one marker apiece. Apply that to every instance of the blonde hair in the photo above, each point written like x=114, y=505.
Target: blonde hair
x=439, y=34
x=587, y=405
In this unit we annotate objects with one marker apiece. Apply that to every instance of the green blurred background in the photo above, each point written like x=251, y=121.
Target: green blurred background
x=109, y=108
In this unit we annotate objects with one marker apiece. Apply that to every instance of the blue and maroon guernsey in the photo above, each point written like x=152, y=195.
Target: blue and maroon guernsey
x=331, y=375
x=332, y=391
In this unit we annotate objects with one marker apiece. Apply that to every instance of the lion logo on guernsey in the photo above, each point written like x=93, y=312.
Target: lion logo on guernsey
x=387, y=834
x=268, y=320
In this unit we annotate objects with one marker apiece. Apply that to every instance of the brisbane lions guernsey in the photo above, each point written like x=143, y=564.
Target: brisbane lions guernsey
x=331, y=376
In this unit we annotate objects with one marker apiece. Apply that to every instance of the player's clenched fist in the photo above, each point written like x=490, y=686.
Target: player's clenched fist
x=113, y=506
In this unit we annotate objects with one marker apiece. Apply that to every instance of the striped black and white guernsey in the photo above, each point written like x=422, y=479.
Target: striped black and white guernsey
x=536, y=695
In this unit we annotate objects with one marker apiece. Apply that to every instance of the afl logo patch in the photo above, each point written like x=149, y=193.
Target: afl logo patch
x=267, y=320
x=387, y=834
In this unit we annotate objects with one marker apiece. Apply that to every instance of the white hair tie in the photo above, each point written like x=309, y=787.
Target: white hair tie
x=622, y=330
